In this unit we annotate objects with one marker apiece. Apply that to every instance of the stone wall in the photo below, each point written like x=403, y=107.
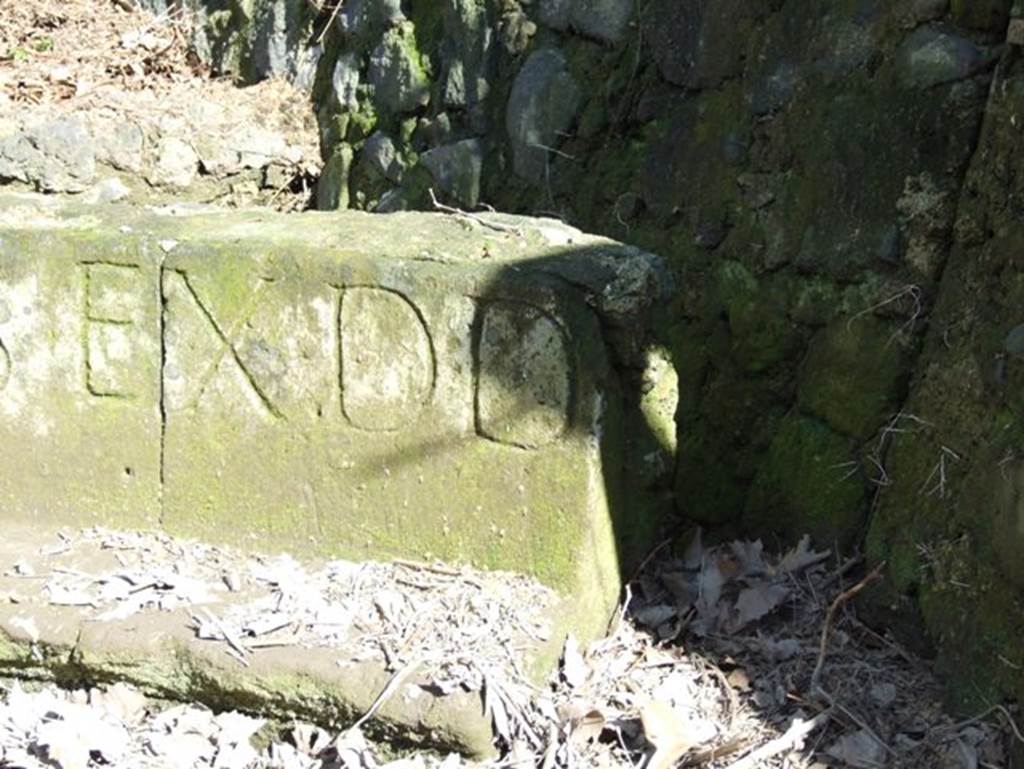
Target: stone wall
x=834, y=187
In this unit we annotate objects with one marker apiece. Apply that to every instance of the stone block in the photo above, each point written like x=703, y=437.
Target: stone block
x=409, y=385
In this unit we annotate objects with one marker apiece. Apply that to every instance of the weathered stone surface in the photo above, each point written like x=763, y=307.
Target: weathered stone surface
x=396, y=73
x=949, y=519
x=176, y=163
x=456, y=169
x=554, y=13
x=543, y=102
x=332, y=188
x=854, y=376
x=345, y=81
x=605, y=20
x=159, y=651
x=468, y=53
x=349, y=384
x=57, y=156
x=119, y=144
x=930, y=56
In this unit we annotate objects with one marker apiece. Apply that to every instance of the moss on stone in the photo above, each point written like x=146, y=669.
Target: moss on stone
x=854, y=375
x=986, y=15
x=762, y=334
x=809, y=483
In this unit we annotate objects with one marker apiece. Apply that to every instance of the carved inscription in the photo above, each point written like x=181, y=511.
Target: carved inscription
x=203, y=355
x=222, y=355
x=110, y=349
x=386, y=357
x=524, y=375
x=5, y=365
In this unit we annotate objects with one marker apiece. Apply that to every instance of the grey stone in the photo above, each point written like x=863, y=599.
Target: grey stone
x=175, y=165
x=776, y=89
x=305, y=67
x=396, y=73
x=364, y=18
x=928, y=10
x=554, y=13
x=381, y=156
x=1014, y=343
x=345, y=81
x=435, y=131
x=272, y=55
x=108, y=190
x=604, y=20
x=58, y=156
x=395, y=199
x=257, y=146
x=848, y=46
x=542, y=105
x=332, y=188
x=69, y=152
x=468, y=53
x=931, y=56
x=694, y=42
x=456, y=169
x=16, y=153
x=120, y=146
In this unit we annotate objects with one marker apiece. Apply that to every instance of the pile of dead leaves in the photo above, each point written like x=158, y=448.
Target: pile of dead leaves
x=722, y=657
x=52, y=50
x=119, y=728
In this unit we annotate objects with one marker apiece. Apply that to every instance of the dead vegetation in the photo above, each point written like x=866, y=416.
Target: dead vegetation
x=53, y=51
x=721, y=657
x=108, y=65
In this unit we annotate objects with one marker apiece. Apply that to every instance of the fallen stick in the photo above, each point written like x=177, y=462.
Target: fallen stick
x=826, y=628
x=792, y=737
x=497, y=226
x=393, y=683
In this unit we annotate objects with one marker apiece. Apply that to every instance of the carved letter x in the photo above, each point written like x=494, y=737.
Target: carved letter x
x=228, y=344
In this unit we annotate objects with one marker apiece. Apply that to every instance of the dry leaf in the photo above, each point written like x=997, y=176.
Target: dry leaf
x=574, y=667
x=694, y=554
x=755, y=602
x=667, y=731
x=858, y=749
x=801, y=556
x=121, y=701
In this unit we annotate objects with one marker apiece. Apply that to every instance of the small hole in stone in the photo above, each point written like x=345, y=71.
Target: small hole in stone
x=128, y=472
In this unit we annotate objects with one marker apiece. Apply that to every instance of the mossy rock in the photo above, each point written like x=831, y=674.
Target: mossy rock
x=854, y=375
x=987, y=15
x=809, y=483
x=706, y=490
x=762, y=334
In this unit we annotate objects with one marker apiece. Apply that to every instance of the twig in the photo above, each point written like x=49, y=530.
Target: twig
x=649, y=557
x=235, y=646
x=826, y=629
x=498, y=226
x=730, y=746
x=387, y=691
x=858, y=721
x=985, y=714
x=330, y=21
x=792, y=737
